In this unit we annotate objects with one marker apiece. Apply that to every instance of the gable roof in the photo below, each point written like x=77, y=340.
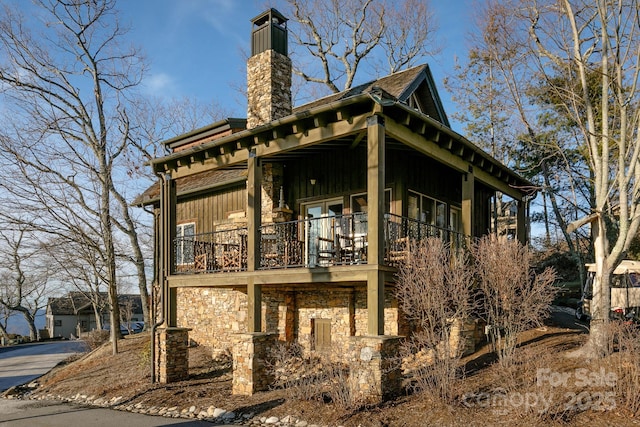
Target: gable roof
x=399, y=86
x=395, y=96
x=193, y=184
x=76, y=302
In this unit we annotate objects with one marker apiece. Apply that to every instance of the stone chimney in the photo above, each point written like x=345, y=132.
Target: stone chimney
x=268, y=70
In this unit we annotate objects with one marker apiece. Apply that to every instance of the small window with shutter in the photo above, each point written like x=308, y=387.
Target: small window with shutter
x=321, y=334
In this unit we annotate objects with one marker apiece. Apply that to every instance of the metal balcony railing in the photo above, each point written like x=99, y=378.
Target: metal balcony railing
x=310, y=242
x=219, y=251
x=402, y=232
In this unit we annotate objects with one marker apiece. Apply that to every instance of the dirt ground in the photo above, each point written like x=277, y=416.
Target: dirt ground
x=482, y=398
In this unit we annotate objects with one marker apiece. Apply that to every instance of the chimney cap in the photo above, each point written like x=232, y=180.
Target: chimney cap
x=270, y=15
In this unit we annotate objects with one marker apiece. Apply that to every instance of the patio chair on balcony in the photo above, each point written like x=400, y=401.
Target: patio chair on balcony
x=271, y=256
x=233, y=255
x=398, y=250
x=352, y=248
x=328, y=250
x=203, y=259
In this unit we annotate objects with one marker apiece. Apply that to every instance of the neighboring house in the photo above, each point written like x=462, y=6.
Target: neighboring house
x=74, y=313
x=293, y=221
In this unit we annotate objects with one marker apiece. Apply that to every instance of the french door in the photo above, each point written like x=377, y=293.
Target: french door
x=319, y=229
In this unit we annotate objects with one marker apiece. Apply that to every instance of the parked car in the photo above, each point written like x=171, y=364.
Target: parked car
x=133, y=327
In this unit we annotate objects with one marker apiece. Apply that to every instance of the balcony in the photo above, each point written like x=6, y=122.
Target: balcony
x=308, y=243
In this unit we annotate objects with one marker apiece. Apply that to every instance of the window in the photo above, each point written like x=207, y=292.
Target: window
x=321, y=334
x=184, y=243
x=359, y=202
x=426, y=209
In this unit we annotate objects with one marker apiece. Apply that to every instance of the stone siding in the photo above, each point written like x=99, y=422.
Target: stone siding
x=217, y=314
x=213, y=314
x=268, y=87
x=374, y=374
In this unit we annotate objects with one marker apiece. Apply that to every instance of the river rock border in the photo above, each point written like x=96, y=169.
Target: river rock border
x=210, y=414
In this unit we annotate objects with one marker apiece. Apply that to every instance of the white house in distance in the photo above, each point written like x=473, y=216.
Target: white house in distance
x=73, y=314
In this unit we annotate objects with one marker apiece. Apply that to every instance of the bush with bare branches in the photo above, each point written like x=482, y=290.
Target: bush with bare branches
x=319, y=376
x=514, y=297
x=434, y=291
x=624, y=361
x=96, y=338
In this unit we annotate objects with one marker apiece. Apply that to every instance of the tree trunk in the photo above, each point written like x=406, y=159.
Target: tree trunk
x=33, y=331
x=597, y=346
x=138, y=257
x=97, y=315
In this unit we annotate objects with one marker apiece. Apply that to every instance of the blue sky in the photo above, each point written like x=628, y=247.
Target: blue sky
x=195, y=47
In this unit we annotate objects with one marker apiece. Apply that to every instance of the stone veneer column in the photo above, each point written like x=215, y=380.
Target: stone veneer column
x=172, y=355
x=268, y=87
x=250, y=352
x=374, y=369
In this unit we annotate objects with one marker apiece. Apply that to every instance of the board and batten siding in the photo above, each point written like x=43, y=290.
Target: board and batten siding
x=208, y=210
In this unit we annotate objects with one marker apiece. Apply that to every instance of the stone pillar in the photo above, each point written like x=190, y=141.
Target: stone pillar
x=268, y=87
x=375, y=371
x=172, y=354
x=250, y=352
x=463, y=337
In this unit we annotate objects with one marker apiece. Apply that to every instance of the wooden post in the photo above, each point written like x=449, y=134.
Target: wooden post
x=375, y=222
x=468, y=184
x=521, y=223
x=168, y=201
x=254, y=221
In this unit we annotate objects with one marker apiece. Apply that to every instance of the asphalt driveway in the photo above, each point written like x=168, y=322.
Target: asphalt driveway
x=21, y=364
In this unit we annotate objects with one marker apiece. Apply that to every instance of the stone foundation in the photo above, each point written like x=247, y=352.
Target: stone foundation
x=216, y=315
x=374, y=369
x=250, y=352
x=172, y=357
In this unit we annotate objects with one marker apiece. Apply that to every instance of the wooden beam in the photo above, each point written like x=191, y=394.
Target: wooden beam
x=376, y=149
x=444, y=156
x=313, y=136
x=357, y=140
x=468, y=202
x=296, y=276
x=168, y=199
x=224, y=160
x=344, y=115
x=254, y=220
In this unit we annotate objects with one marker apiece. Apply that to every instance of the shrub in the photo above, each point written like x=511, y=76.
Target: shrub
x=514, y=298
x=96, y=338
x=313, y=376
x=625, y=364
x=434, y=291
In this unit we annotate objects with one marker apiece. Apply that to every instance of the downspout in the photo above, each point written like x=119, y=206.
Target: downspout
x=164, y=179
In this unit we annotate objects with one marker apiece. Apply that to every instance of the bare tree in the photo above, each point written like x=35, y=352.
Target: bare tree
x=502, y=99
x=66, y=80
x=81, y=267
x=582, y=61
x=334, y=37
x=23, y=278
x=596, y=44
x=5, y=313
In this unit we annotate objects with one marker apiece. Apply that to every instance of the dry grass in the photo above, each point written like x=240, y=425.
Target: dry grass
x=101, y=374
